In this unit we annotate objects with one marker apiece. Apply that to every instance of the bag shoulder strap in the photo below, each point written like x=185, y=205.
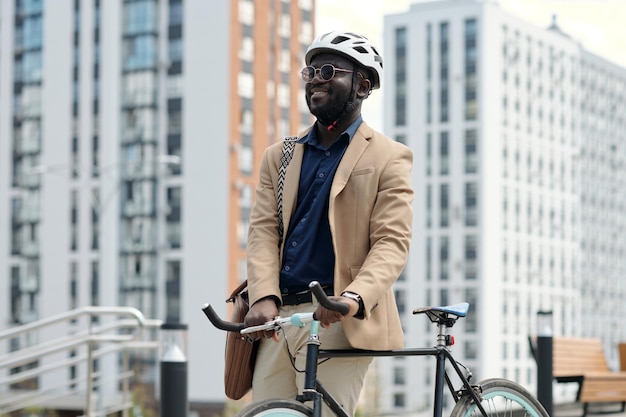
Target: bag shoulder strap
x=289, y=143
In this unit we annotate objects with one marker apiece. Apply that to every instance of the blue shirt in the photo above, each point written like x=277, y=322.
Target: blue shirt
x=308, y=254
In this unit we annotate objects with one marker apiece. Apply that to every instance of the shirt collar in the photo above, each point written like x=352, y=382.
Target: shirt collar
x=311, y=137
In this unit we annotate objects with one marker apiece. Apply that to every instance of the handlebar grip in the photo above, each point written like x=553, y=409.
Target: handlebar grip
x=323, y=299
x=228, y=326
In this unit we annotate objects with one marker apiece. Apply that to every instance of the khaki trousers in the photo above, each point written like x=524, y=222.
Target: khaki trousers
x=275, y=377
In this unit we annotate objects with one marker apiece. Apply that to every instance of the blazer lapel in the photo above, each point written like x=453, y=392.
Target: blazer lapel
x=357, y=146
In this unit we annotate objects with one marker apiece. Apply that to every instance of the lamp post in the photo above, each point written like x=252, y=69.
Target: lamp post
x=173, y=392
x=544, y=359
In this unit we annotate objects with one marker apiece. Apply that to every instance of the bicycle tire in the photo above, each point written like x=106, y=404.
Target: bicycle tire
x=500, y=397
x=276, y=408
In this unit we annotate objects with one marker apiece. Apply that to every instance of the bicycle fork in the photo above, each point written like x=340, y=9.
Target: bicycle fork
x=313, y=391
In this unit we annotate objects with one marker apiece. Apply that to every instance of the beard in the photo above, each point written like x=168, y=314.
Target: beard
x=331, y=111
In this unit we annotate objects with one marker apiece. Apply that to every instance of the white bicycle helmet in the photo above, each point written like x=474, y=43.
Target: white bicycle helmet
x=354, y=46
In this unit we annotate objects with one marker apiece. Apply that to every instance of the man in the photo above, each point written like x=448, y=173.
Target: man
x=347, y=224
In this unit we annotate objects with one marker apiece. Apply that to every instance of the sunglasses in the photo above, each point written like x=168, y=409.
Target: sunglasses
x=326, y=72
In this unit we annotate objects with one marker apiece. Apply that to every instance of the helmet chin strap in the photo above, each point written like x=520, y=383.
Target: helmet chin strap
x=349, y=106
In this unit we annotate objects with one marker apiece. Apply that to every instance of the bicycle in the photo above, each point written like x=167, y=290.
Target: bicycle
x=491, y=397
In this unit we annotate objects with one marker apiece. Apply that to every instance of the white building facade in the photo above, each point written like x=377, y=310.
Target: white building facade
x=519, y=152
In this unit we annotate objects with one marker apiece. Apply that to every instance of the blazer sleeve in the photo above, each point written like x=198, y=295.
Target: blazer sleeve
x=263, y=253
x=390, y=230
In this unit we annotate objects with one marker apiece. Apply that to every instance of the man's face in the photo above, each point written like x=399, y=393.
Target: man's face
x=326, y=99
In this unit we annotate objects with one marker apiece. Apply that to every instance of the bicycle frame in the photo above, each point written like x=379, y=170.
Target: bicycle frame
x=468, y=398
x=314, y=390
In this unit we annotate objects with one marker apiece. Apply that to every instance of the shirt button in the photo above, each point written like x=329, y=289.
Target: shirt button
x=327, y=153
x=287, y=268
x=294, y=244
x=303, y=220
x=321, y=175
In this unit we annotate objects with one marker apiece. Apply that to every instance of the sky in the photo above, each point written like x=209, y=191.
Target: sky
x=597, y=24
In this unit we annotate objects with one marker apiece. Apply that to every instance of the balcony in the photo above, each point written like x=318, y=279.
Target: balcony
x=173, y=232
x=29, y=214
x=134, y=208
x=146, y=98
x=132, y=246
x=29, y=180
x=134, y=282
x=30, y=249
x=27, y=146
x=137, y=134
x=139, y=170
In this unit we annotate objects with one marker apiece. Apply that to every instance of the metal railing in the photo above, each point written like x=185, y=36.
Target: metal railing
x=121, y=333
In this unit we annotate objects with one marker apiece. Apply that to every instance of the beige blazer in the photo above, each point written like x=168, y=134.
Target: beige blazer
x=370, y=217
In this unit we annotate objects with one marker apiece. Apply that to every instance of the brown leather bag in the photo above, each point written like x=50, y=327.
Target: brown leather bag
x=240, y=352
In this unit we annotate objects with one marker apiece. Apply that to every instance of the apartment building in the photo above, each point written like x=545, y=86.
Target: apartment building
x=131, y=133
x=519, y=139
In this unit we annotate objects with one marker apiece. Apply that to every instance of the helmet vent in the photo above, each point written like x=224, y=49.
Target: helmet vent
x=360, y=49
x=339, y=39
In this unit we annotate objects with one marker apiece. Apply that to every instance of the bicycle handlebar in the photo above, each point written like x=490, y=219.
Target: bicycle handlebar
x=317, y=291
x=228, y=326
x=326, y=302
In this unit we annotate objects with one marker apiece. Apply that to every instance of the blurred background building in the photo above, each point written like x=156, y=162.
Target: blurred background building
x=131, y=133
x=518, y=134
x=130, y=137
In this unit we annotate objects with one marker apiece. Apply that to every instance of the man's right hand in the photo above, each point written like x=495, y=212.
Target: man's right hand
x=261, y=312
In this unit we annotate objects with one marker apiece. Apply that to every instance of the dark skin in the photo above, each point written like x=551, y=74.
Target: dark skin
x=325, y=100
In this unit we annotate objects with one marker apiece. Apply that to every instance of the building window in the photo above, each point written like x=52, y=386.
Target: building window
x=140, y=52
x=400, y=300
x=471, y=153
x=444, y=210
x=471, y=55
x=399, y=400
x=95, y=283
x=172, y=290
x=173, y=217
x=429, y=154
x=74, y=220
x=95, y=219
x=400, y=75
x=401, y=139
x=140, y=17
x=443, y=297
x=443, y=72
x=73, y=285
x=471, y=349
x=16, y=295
x=444, y=258
x=444, y=154
x=471, y=321
x=471, y=204
x=429, y=262
x=471, y=257
x=399, y=375
x=429, y=204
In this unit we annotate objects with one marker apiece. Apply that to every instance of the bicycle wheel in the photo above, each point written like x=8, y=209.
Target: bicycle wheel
x=500, y=397
x=276, y=408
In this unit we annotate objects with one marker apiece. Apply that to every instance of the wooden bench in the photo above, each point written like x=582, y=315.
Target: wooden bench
x=582, y=360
